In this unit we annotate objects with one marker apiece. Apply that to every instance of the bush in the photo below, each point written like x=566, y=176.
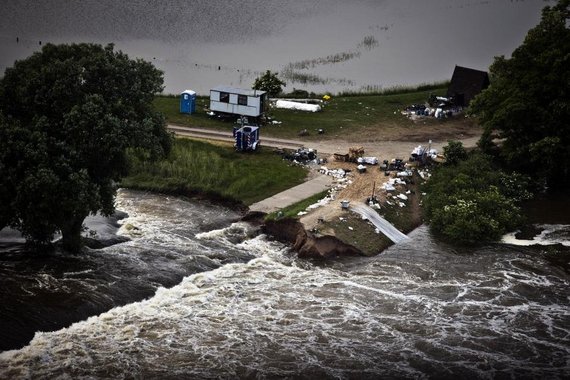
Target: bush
x=454, y=152
x=473, y=202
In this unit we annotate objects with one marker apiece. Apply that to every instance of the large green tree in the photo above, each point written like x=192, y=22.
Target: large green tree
x=472, y=201
x=269, y=82
x=67, y=116
x=527, y=105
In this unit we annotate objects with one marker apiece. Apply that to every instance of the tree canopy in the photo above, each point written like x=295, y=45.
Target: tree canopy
x=269, y=82
x=472, y=202
x=454, y=152
x=527, y=105
x=67, y=116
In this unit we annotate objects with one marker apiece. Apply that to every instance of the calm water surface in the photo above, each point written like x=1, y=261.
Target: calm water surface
x=317, y=45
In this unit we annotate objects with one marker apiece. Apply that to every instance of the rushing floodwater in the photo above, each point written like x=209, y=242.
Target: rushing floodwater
x=316, y=45
x=245, y=306
x=195, y=294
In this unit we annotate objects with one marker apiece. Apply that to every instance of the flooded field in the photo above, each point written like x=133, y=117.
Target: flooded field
x=318, y=45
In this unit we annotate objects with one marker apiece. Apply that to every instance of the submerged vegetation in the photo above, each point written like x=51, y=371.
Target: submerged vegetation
x=376, y=90
x=369, y=43
x=293, y=70
x=217, y=171
x=329, y=59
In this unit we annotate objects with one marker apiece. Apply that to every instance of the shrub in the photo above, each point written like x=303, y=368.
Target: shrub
x=474, y=202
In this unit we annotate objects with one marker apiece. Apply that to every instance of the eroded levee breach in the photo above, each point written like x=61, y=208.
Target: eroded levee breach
x=382, y=224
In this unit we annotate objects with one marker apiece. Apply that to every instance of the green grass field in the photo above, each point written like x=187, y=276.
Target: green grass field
x=342, y=116
x=293, y=210
x=218, y=171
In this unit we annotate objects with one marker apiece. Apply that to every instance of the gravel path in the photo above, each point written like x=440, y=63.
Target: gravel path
x=316, y=183
x=385, y=149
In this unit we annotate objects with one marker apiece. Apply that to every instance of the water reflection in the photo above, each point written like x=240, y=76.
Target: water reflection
x=201, y=44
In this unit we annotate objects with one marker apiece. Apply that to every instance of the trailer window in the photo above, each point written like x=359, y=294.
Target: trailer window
x=242, y=100
x=224, y=97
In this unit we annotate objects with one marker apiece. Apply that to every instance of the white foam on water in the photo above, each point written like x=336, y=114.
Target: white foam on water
x=233, y=234
x=412, y=312
x=551, y=234
x=267, y=318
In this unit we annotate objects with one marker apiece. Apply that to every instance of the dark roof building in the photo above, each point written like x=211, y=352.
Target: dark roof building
x=465, y=84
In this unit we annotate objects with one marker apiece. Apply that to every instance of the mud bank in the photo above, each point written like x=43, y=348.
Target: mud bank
x=291, y=231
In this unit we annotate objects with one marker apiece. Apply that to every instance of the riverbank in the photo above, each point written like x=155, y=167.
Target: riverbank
x=373, y=122
x=193, y=163
x=325, y=218
x=214, y=171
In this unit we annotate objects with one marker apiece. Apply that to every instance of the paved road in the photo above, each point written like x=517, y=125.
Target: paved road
x=293, y=195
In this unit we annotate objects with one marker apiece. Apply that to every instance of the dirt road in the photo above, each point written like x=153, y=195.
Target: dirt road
x=383, y=149
x=360, y=184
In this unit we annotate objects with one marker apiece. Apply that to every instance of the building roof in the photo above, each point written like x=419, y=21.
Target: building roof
x=467, y=82
x=239, y=91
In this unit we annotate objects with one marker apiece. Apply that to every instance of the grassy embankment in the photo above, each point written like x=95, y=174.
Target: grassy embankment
x=343, y=116
x=196, y=168
x=191, y=169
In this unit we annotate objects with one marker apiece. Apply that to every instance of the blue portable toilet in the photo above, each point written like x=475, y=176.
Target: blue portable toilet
x=188, y=102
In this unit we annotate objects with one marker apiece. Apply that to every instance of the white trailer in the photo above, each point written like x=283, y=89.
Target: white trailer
x=237, y=101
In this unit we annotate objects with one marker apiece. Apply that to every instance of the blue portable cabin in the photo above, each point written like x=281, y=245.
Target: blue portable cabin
x=246, y=138
x=188, y=102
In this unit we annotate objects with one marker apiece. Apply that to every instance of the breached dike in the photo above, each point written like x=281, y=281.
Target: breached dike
x=382, y=224
x=291, y=231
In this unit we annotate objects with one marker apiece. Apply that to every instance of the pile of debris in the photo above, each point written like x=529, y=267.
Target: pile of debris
x=395, y=164
x=391, y=184
x=439, y=108
x=336, y=173
x=367, y=160
x=396, y=189
x=421, y=154
x=302, y=156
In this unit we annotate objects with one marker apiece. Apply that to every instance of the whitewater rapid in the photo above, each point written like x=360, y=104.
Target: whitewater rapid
x=420, y=309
